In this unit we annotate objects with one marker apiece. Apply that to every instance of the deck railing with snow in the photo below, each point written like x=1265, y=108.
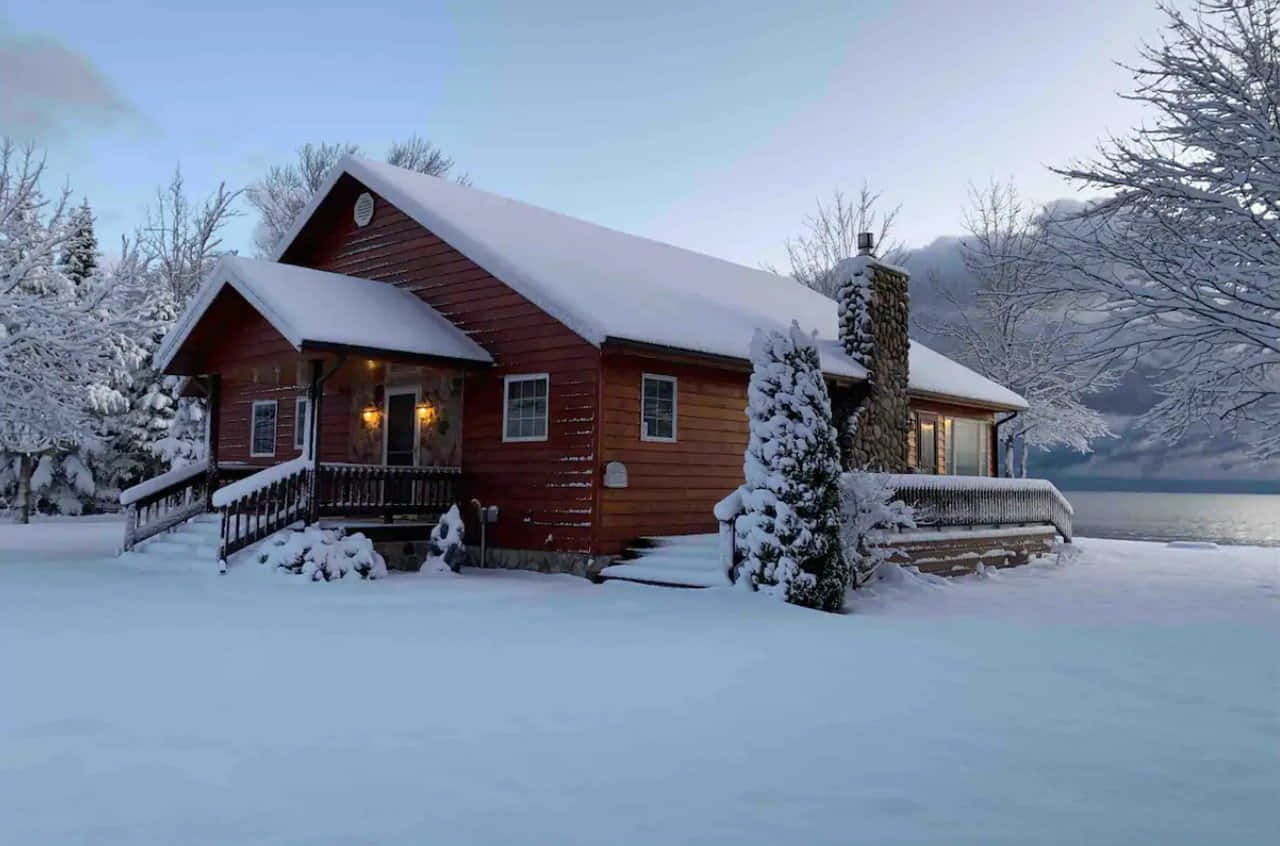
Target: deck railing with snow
x=977, y=501
x=263, y=503
x=294, y=491
x=973, y=502
x=163, y=502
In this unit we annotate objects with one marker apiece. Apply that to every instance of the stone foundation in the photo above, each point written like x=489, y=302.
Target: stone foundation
x=538, y=561
x=955, y=552
x=401, y=554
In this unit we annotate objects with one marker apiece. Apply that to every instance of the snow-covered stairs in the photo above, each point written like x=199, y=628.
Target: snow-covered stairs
x=675, y=561
x=194, y=542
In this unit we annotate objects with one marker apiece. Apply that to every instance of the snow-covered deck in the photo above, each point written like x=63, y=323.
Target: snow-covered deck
x=1128, y=697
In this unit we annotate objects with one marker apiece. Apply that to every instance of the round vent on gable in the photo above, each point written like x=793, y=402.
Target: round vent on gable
x=364, y=209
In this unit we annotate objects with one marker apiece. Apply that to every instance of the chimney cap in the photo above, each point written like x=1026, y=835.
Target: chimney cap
x=866, y=242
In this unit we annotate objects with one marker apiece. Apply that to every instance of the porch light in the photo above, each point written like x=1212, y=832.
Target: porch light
x=426, y=413
x=371, y=415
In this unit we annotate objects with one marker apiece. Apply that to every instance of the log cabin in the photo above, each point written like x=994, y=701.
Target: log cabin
x=414, y=343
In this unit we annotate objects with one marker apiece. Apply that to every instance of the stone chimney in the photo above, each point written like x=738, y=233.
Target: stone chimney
x=874, y=315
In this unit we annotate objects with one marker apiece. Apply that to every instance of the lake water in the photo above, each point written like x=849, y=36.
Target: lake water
x=1222, y=518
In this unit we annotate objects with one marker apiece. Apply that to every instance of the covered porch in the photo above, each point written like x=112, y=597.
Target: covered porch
x=347, y=412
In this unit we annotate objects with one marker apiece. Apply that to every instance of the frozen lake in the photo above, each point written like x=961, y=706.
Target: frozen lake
x=1252, y=519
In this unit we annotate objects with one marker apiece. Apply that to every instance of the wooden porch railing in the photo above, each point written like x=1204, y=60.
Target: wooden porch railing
x=263, y=503
x=295, y=491
x=972, y=501
x=163, y=502
x=354, y=489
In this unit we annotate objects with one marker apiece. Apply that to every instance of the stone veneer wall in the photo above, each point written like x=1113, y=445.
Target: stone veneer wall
x=876, y=434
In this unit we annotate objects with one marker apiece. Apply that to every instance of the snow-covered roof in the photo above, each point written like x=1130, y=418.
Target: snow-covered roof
x=315, y=307
x=605, y=284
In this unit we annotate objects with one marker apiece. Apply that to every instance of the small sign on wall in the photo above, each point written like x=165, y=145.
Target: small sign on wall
x=615, y=475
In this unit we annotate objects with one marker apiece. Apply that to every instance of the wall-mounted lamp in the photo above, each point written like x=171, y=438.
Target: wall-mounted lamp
x=426, y=413
x=371, y=415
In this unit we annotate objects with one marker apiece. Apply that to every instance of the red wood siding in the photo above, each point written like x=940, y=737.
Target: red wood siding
x=545, y=490
x=673, y=487
x=256, y=363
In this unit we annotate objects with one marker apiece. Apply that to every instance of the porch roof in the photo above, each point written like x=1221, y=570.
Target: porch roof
x=316, y=309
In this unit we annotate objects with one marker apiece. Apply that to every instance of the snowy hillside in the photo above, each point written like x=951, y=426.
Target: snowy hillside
x=1128, y=697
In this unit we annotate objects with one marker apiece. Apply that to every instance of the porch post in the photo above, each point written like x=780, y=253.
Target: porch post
x=214, y=412
x=315, y=393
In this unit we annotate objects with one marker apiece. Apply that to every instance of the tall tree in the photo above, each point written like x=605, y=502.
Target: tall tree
x=64, y=352
x=1006, y=323
x=1182, y=260
x=80, y=254
x=182, y=241
x=281, y=194
x=790, y=527
x=831, y=235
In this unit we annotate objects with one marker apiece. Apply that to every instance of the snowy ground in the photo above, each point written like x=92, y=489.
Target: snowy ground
x=1129, y=697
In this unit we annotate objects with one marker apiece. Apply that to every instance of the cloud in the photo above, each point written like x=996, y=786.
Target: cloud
x=46, y=87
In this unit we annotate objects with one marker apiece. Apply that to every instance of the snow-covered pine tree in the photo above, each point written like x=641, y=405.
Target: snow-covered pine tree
x=79, y=257
x=790, y=529
x=63, y=351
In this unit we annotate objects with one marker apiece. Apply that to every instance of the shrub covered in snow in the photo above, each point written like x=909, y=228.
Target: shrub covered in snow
x=322, y=554
x=445, y=552
x=868, y=502
x=789, y=533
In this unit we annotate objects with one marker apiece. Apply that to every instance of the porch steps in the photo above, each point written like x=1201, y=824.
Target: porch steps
x=672, y=561
x=194, y=542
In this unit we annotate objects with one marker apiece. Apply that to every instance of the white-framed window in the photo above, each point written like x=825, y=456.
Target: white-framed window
x=658, y=398
x=524, y=407
x=262, y=429
x=300, y=420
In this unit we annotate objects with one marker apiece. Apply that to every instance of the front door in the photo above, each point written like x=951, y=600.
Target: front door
x=402, y=429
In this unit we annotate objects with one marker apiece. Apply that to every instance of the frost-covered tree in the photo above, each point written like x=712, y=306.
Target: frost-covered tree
x=80, y=255
x=285, y=190
x=789, y=532
x=1182, y=259
x=1006, y=324
x=65, y=350
x=170, y=258
x=868, y=504
x=831, y=235
x=182, y=241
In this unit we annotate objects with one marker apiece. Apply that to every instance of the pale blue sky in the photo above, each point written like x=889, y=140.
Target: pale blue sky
x=713, y=126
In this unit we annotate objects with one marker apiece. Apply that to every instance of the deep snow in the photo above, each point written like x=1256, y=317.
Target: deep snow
x=1128, y=697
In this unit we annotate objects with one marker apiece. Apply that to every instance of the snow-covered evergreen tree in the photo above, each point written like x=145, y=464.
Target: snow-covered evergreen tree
x=789, y=532
x=80, y=255
x=65, y=350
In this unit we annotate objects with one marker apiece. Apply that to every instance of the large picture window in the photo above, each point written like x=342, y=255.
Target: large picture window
x=658, y=408
x=524, y=409
x=262, y=437
x=967, y=447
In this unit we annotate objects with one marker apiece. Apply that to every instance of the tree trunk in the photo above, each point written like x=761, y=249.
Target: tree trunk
x=26, y=466
x=1008, y=456
x=1025, y=449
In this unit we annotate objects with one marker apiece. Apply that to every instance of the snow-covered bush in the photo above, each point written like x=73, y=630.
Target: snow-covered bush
x=322, y=554
x=868, y=503
x=789, y=532
x=445, y=551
